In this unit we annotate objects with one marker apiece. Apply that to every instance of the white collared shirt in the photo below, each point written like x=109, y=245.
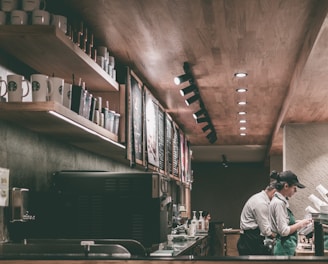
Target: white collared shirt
x=279, y=218
x=255, y=214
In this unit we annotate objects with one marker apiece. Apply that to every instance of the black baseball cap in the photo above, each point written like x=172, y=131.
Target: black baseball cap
x=289, y=177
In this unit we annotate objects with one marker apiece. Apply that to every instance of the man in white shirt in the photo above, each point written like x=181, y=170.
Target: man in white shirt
x=255, y=223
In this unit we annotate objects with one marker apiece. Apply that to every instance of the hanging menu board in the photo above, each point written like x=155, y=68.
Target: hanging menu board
x=137, y=120
x=161, y=139
x=151, y=126
x=175, y=151
x=168, y=144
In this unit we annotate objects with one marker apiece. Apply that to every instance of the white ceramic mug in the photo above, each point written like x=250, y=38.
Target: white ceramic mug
x=40, y=88
x=67, y=92
x=9, y=5
x=56, y=86
x=3, y=17
x=18, y=17
x=30, y=5
x=40, y=17
x=5, y=86
x=15, y=88
x=60, y=22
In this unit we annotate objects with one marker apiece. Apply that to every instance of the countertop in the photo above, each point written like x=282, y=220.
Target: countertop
x=94, y=249
x=30, y=253
x=178, y=248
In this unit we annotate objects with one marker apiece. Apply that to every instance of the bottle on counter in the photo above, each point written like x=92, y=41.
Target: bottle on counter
x=193, y=225
x=201, y=221
x=207, y=224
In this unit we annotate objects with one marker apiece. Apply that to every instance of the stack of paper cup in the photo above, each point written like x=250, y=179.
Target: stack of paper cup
x=316, y=201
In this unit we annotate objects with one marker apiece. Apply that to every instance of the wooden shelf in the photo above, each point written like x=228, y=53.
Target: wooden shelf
x=49, y=51
x=55, y=120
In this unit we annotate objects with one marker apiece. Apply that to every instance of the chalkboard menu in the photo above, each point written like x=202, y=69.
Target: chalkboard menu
x=151, y=120
x=137, y=114
x=161, y=139
x=175, y=151
x=154, y=138
x=168, y=143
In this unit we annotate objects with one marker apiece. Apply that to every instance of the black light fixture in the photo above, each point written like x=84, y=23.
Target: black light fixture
x=199, y=113
x=202, y=119
x=212, y=137
x=188, y=89
x=207, y=127
x=211, y=134
x=224, y=161
x=192, y=99
x=182, y=78
x=187, y=76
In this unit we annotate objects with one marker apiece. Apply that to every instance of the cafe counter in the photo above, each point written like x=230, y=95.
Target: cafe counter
x=191, y=251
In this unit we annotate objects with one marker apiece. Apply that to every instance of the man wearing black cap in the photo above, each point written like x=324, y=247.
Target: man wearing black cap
x=282, y=219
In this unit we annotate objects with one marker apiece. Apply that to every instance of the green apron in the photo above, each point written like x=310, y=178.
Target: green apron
x=286, y=246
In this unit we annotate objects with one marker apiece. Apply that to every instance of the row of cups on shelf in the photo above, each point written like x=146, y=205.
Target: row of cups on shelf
x=41, y=88
x=30, y=14
x=26, y=5
x=106, y=61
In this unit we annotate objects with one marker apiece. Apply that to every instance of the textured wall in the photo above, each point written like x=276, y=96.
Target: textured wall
x=305, y=152
x=276, y=163
x=32, y=159
x=224, y=191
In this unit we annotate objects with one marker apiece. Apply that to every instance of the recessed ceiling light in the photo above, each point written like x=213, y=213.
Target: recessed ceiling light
x=242, y=128
x=241, y=90
x=242, y=121
x=242, y=102
x=242, y=113
x=240, y=74
x=243, y=134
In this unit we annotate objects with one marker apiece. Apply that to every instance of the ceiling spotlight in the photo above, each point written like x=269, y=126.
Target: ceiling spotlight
x=242, y=121
x=242, y=113
x=202, y=120
x=182, y=78
x=240, y=74
x=242, y=103
x=199, y=113
x=243, y=134
x=213, y=139
x=211, y=134
x=192, y=99
x=188, y=90
x=242, y=128
x=241, y=90
x=207, y=127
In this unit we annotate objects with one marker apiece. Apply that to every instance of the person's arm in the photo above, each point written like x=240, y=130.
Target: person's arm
x=298, y=225
x=281, y=215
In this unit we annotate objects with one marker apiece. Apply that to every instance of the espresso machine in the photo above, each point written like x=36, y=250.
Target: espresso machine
x=19, y=214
